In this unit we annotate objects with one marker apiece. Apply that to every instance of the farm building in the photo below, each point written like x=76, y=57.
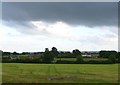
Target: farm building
x=90, y=54
x=14, y=57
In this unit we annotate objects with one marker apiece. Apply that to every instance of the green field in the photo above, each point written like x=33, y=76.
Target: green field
x=85, y=59
x=60, y=73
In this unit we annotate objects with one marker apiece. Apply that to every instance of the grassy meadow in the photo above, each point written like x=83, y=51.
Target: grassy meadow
x=85, y=59
x=59, y=73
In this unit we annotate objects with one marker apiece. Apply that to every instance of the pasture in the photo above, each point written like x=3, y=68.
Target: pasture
x=85, y=59
x=59, y=73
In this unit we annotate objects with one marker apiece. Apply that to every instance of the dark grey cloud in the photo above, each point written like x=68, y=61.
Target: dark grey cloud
x=88, y=13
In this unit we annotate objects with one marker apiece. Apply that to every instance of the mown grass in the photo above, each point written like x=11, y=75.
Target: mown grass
x=59, y=73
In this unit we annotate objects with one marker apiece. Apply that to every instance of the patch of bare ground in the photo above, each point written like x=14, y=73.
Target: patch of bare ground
x=62, y=78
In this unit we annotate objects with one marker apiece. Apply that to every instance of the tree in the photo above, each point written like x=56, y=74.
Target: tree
x=15, y=53
x=106, y=54
x=54, y=52
x=54, y=49
x=6, y=53
x=46, y=50
x=76, y=53
x=25, y=53
x=79, y=59
x=118, y=57
x=48, y=55
x=112, y=58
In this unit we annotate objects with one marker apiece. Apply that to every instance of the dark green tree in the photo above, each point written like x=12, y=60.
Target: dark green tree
x=118, y=57
x=15, y=53
x=54, y=49
x=6, y=54
x=106, y=54
x=54, y=52
x=46, y=50
x=48, y=56
x=76, y=53
x=112, y=58
x=79, y=59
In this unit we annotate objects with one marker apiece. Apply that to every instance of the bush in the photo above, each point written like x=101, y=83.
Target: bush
x=118, y=57
x=112, y=58
x=79, y=59
x=48, y=57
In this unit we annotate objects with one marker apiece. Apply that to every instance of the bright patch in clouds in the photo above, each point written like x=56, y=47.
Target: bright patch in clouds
x=59, y=29
x=64, y=30
x=59, y=34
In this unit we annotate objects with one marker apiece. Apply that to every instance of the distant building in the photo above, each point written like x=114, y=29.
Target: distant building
x=87, y=55
x=14, y=57
x=90, y=54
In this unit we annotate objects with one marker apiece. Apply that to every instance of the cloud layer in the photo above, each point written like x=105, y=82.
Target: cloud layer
x=34, y=26
x=89, y=14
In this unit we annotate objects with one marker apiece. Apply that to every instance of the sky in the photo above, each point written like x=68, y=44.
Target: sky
x=34, y=26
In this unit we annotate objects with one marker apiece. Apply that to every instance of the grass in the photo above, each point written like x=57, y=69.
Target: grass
x=60, y=73
x=98, y=59
x=67, y=59
x=85, y=59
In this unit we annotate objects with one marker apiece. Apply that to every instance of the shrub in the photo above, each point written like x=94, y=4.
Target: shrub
x=48, y=57
x=79, y=59
x=112, y=58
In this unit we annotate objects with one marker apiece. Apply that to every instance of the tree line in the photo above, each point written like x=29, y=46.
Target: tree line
x=50, y=56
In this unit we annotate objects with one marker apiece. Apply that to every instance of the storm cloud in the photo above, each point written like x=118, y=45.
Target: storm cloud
x=33, y=26
x=82, y=13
